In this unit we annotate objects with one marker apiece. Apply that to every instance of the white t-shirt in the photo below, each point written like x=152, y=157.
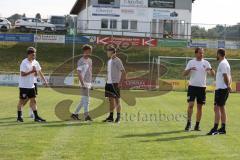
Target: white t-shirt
x=85, y=66
x=198, y=77
x=27, y=66
x=223, y=68
x=109, y=69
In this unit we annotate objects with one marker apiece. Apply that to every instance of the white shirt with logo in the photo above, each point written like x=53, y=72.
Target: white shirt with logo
x=29, y=80
x=198, y=77
x=223, y=68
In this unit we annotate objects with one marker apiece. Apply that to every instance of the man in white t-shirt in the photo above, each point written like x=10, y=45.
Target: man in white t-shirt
x=223, y=88
x=40, y=73
x=85, y=78
x=198, y=69
x=28, y=70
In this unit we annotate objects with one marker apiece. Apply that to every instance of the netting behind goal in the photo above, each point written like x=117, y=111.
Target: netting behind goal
x=176, y=65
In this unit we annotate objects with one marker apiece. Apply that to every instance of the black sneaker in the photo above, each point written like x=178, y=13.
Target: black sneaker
x=109, y=119
x=20, y=119
x=188, y=127
x=75, y=117
x=39, y=119
x=213, y=132
x=88, y=118
x=197, y=128
x=117, y=120
x=222, y=131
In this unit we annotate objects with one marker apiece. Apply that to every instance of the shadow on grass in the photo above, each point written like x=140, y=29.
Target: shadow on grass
x=49, y=124
x=151, y=134
x=175, y=138
x=13, y=122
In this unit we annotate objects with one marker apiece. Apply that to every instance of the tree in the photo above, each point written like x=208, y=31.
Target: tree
x=24, y=15
x=38, y=16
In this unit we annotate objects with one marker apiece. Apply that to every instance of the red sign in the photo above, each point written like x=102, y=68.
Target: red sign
x=139, y=84
x=130, y=41
x=238, y=87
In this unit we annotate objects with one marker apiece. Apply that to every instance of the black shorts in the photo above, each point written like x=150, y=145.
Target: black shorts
x=27, y=93
x=198, y=93
x=36, y=88
x=112, y=90
x=221, y=96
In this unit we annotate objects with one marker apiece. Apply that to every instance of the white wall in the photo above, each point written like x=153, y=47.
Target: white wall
x=141, y=13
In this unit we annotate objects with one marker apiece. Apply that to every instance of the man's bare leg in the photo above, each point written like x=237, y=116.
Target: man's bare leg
x=198, y=117
x=223, y=120
x=118, y=109
x=19, y=110
x=189, y=115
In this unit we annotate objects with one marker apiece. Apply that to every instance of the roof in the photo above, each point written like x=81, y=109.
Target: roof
x=79, y=4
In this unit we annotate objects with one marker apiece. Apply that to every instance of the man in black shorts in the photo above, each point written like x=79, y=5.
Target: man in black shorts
x=115, y=76
x=198, y=69
x=28, y=69
x=223, y=88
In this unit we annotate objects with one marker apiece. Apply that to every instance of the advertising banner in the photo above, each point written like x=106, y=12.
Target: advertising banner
x=139, y=84
x=132, y=41
x=134, y=3
x=17, y=37
x=109, y=12
x=49, y=38
x=80, y=39
x=172, y=43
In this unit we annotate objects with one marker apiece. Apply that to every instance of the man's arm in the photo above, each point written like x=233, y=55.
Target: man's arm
x=81, y=78
x=43, y=78
x=24, y=74
x=187, y=72
x=227, y=81
x=123, y=76
x=211, y=72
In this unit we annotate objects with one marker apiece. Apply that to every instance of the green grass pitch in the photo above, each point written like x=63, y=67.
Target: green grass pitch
x=137, y=139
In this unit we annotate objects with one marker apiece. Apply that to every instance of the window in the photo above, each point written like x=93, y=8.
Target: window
x=104, y=24
x=161, y=3
x=133, y=25
x=1, y=20
x=124, y=24
x=106, y=2
x=113, y=24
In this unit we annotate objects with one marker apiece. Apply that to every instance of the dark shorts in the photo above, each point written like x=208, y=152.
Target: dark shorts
x=36, y=88
x=27, y=93
x=221, y=96
x=112, y=90
x=198, y=93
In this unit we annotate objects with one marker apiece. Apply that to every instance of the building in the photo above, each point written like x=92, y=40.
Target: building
x=141, y=18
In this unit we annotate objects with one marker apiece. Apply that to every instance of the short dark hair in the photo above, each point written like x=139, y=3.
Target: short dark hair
x=198, y=49
x=86, y=47
x=112, y=49
x=31, y=50
x=221, y=52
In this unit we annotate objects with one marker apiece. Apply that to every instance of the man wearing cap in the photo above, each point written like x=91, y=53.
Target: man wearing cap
x=28, y=70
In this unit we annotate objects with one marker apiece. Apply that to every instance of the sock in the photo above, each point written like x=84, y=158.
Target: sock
x=223, y=126
x=215, y=126
x=189, y=122
x=118, y=115
x=197, y=124
x=111, y=115
x=35, y=114
x=19, y=113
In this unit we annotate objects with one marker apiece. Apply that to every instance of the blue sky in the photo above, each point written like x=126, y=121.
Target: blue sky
x=204, y=11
